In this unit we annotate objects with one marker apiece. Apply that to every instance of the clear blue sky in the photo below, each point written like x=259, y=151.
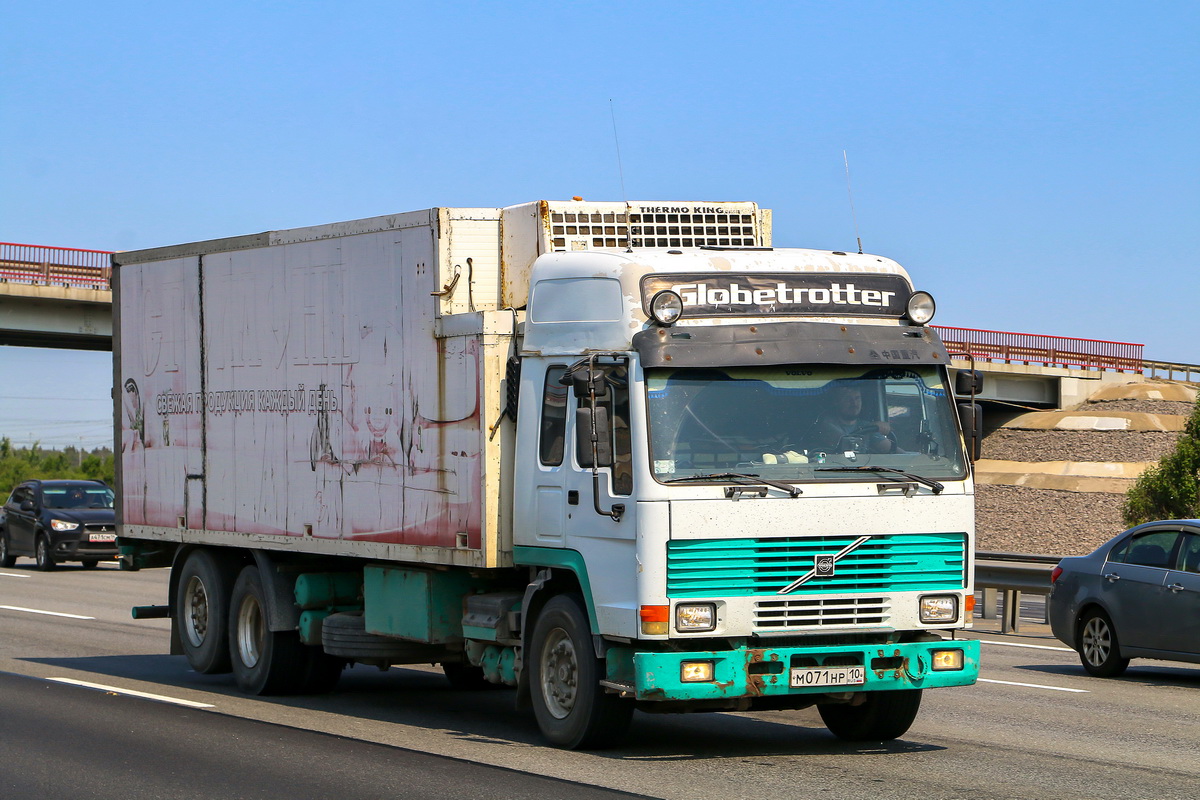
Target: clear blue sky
x=1034, y=165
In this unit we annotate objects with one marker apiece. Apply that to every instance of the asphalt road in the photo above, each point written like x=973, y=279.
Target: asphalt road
x=1035, y=726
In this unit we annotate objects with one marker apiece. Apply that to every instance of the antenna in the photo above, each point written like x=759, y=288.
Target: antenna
x=621, y=173
x=850, y=193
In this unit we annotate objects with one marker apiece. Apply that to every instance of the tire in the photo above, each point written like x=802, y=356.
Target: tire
x=344, y=634
x=571, y=708
x=264, y=662
x=1099, y=648
x=45, y=561
x=90, y=563
x=7, y=559
x=882, y=716
x=202, y=611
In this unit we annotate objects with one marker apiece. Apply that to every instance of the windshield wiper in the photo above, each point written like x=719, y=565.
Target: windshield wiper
x=739, y=476
x=930, y=482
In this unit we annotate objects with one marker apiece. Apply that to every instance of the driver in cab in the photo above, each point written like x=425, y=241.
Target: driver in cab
x=842, y=426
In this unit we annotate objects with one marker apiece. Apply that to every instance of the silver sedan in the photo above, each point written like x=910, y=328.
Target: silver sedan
x=1135, y=596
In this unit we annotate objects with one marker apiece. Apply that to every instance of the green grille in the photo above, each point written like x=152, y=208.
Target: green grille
x=885, y=563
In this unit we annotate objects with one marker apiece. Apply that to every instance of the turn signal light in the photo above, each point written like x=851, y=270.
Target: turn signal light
x=655, y=619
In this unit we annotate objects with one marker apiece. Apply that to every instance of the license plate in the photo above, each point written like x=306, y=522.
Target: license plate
x=828, y=676
x=102, y=537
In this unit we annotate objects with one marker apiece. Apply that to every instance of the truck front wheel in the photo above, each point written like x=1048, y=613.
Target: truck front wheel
x=202, y=611
x=883, y=715
x=572, y=709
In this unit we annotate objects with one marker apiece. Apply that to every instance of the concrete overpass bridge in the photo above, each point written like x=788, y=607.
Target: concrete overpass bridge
x=60, y=297
x=55, y=297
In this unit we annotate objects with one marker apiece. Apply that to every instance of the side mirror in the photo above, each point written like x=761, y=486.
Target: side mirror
x=27, y=505
x=584, y=418
x=968, y=382
x=583, y=382
x=971, y=417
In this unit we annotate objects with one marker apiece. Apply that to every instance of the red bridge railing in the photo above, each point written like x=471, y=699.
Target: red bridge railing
x=54, y=266
x=1032, y=348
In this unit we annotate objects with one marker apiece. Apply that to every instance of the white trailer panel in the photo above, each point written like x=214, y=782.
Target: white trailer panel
x=296, y=395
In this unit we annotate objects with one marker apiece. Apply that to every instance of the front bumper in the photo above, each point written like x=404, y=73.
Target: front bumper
x=765, y=672
x=75, y=547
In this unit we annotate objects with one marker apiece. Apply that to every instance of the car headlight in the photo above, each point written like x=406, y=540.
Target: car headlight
x=63, y=525
x=939, y=608
x=691, y=617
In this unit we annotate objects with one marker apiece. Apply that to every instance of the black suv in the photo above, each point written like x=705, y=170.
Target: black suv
x=57, y=521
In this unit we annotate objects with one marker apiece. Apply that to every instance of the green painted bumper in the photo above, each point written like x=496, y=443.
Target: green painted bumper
x=764, y=672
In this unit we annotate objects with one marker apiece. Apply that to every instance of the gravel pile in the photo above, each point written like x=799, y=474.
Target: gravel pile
x=1014, y=445
x=1015, y=519
x=1142, y=406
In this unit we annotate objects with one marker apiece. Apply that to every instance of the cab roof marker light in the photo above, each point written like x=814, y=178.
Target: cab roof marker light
x=921, y=308
x=666, y=307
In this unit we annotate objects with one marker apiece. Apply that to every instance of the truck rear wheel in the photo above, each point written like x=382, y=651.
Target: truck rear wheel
x=571, y=708
x=272, y=662
x=202, y=611
x=883, y=715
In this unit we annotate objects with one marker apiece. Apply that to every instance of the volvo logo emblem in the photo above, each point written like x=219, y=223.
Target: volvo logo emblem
x=824, y=565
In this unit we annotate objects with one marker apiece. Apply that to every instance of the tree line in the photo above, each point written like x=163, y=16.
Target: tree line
x=26, y=463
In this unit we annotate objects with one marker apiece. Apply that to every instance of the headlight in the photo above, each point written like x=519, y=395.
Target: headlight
x=63, y=525
x=666, y=307
x=939, y=608
x=921, y=307
x=944, y=660
x=695, y=617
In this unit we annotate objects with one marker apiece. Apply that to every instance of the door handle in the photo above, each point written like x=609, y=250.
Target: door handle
x=573, y=498
x=1112, y=577
x=1176, y=588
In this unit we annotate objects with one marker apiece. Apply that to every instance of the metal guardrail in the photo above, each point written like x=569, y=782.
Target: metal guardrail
x=1012, y=574
x=1170, y=367
x=54, y=266
x=1051, y=351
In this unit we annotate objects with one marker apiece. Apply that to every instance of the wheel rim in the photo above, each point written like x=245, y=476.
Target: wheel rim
x=195, y=614
x=1097, y=641
x=3, y=548
x=250, y=631
x=43, y=552
x=560, y=673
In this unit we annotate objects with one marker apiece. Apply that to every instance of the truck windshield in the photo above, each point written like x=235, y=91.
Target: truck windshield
x=788, y=422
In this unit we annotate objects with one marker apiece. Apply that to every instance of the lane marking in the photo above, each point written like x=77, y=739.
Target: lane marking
x=49, y=613
x=1035, y=686
x=13, y=575
x=1030, y=646
x=133, y=693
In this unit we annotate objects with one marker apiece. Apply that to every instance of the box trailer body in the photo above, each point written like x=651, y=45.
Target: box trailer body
x=545, y=445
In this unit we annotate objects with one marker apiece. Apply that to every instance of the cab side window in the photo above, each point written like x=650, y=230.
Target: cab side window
x=554, y=418
x=622, y=471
